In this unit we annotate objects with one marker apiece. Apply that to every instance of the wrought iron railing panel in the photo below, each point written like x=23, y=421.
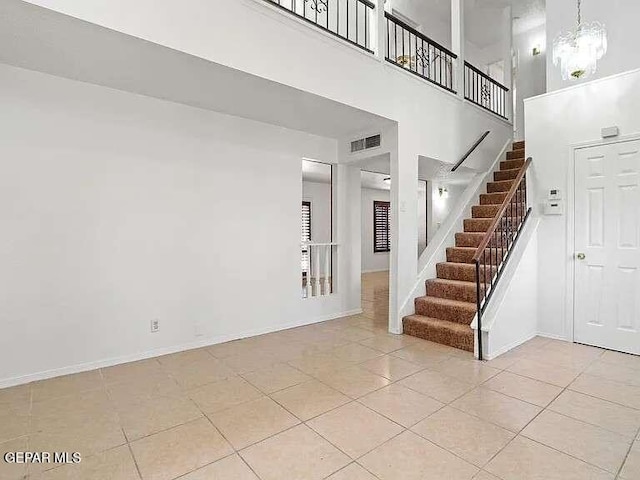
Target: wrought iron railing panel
x=414, y=51
x=350, y=20
x=484, y=91
x=495, y=249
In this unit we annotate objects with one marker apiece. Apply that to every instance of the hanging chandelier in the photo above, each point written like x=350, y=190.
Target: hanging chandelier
x=578, y=51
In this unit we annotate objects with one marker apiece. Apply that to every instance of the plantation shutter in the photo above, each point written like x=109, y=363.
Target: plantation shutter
x=306, y=234
x=381, y=226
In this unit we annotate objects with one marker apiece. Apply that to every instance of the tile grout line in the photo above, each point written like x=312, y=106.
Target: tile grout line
x=635, y=439
x=358, y=400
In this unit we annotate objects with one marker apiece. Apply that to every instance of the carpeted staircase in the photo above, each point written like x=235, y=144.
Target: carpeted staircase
x=444, y=314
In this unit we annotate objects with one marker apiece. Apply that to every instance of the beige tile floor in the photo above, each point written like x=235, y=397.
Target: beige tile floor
x=340, y=400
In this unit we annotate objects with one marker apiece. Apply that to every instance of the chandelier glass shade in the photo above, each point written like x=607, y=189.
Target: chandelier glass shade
x=577, y=52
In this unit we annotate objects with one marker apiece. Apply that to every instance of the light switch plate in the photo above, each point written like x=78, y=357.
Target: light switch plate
x=554, y=207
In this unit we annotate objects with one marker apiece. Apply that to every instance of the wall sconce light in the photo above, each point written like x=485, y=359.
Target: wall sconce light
x=536, y=51
x=443, y=192
x=387, y=180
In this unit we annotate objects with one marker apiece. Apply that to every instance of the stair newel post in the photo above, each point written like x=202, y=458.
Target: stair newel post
x=317, y=271
x=479, y=308
x=327, y=269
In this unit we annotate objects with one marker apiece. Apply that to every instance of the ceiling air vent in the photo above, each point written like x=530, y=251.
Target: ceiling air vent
x=365, y=143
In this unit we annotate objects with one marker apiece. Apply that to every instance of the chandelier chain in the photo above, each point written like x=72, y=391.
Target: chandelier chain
x=579, y=12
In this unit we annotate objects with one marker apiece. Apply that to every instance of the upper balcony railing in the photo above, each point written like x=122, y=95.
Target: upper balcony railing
x=406, y=47
x=413, y=51
x=484, y=91
x=348, y=19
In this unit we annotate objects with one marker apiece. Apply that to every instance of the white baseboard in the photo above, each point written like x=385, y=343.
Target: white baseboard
x=511, y=346
x=526, y=339
x=110, y=362
x=553, y=336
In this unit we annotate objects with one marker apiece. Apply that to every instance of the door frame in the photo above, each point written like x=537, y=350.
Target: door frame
x=571, y=225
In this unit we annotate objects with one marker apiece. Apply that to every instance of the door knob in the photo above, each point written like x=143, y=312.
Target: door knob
x=580, y=256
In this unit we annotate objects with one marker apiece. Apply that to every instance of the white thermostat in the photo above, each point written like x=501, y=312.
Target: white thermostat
x=555, y=194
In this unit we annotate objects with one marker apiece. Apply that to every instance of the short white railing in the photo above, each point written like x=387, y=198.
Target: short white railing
x=317, y=277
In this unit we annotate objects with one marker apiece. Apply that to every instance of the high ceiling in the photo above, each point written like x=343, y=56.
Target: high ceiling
x=481, y=16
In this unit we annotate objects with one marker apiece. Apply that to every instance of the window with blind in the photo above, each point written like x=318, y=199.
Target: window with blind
x=306, y=235
x=381, y=226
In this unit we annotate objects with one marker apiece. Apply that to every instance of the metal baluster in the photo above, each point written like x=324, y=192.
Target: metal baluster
x=388, y=39
x=347, y=32
x=403, y=55
x=366, y=27
x=357, y=23
x=395, y=42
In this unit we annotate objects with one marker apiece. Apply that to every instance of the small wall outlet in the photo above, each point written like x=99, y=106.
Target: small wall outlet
x=155, y=326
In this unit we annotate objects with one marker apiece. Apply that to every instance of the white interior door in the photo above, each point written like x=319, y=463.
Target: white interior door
x=607, y=246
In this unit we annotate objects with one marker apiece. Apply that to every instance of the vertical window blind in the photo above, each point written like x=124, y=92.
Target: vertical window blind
x=381, y=226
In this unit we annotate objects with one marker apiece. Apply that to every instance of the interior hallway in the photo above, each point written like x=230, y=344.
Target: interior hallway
x=340, y=400
x=375, y=298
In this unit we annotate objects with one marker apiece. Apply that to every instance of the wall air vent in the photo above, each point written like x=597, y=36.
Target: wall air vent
x=366, y=143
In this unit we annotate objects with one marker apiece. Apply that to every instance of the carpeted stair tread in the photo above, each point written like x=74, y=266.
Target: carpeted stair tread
x=484, y=211
x=501, y=186
x=465, y=272
x=497, y=198
x=509, y=174
x=516, y=153
x=477, y=224
x=473, y=239
x=511, y=164
x=469, y=239
x=452, y=334
x=446, y=309
x=452, y=289
x=519, y=145
x=466, y=254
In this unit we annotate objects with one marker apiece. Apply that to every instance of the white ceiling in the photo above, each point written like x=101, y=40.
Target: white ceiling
x=374, y=181
x=39, y=39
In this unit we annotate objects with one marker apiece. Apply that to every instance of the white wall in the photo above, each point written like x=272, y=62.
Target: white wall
x=621, y=19
x=332, y=70
x=319, y=194
x=441, y=207
x=512, y=314
x=118, y=209
x=554, y=123
x=531, y=71
x=372, y=262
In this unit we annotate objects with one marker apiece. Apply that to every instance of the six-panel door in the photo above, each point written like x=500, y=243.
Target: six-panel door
x=607, y=246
